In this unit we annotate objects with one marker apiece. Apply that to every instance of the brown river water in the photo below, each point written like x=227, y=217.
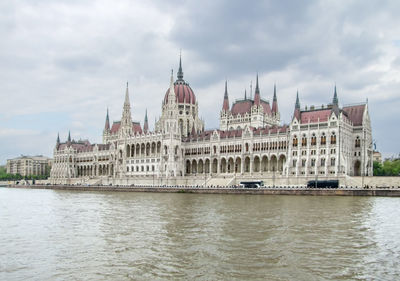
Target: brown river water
x=75, y=235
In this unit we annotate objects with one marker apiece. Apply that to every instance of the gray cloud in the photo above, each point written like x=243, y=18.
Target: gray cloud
x=71, y=59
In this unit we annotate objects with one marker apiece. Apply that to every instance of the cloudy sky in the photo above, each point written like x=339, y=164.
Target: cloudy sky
x=62, y=63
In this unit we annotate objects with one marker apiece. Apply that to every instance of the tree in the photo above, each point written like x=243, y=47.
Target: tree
x=378, y=169
x=389, y=168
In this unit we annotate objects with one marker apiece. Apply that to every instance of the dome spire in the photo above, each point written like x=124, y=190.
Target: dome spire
x=58, y=138
x=180, y=72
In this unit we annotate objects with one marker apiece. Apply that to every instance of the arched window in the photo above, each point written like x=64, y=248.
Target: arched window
x=333, y=138
x=357, y=142
x=313, y=139
x=304, y=140
x=323, y=139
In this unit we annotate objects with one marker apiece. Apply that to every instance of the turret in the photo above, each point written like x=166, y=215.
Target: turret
x=225, y=105
x=171, y=94
x=257, y=93
x=275, y=103
x=69, y=136
x=126, y=120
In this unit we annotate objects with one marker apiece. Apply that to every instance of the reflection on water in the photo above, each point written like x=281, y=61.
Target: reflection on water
x=48, y=235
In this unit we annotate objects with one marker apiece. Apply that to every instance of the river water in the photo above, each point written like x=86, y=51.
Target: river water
x=73, y=235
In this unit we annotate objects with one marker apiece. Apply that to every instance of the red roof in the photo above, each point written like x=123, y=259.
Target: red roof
x=183, y=92
x=83, y=146
x=355, y=113
x=135, y=126
x=267, y=107
x=77, y=145
x=315, y=116
x=241, y=107
x=244, y=106
x=230, y=133
x=270, y=130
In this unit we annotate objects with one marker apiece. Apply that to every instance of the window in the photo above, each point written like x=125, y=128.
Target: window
x=322, y=161
x=333, y=138
x=295, y=141
x=303, y=162
x=323, y=139
x=333, y=161
x=312, y=162
x=357, y=142
x=313, y=139
x=304, y=141
x=294, y=162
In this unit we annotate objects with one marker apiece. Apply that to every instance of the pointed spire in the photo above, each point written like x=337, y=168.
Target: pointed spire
x=257, y=88
x=180, y=72
x=245, y=94
x=171, y=98
x=107, y=125
x=335, y=100
x=69, y=136
x=297, y=105
x=58, y=138
x=275, y=102
x=146, y=123
x=127, y=94
x=225, y=105
x=257, y=93
x=126, y=120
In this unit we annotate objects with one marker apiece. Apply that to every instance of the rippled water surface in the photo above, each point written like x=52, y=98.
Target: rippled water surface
x=71, y=235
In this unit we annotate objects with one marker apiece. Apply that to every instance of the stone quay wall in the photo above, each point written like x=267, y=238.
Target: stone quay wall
x=262, y=191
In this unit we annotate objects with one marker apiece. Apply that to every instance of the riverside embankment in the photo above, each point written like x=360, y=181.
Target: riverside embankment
x=387, y=192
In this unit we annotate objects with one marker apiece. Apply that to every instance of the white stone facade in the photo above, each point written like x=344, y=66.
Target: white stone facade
x=319, y=142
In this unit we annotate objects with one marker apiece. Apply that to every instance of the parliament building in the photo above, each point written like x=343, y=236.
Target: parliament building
x=320, y=142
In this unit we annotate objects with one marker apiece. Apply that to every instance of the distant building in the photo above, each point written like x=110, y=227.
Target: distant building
x=377, y=156
x=29, y=165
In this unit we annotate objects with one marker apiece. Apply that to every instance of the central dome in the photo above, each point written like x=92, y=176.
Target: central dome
x=183, y=92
